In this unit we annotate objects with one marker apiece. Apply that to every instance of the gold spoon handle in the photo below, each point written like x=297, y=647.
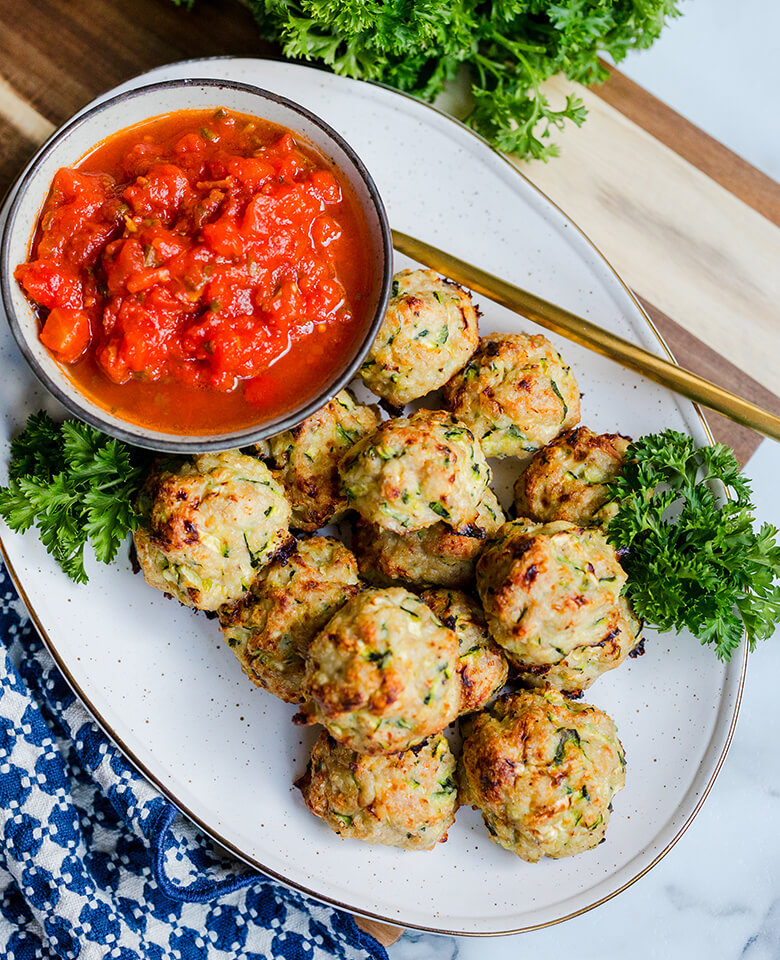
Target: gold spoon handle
x=589, y=335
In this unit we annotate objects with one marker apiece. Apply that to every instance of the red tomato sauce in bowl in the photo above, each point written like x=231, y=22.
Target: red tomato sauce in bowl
x=199, y=271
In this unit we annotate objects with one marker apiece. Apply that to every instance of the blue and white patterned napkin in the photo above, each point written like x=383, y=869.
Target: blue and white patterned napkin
x=96, y=864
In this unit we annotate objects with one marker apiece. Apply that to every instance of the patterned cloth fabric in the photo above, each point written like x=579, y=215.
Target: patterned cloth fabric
x=96, y=864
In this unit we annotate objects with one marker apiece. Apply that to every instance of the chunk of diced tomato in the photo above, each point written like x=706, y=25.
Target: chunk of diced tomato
x=323, y=186
x=49, y=284
x=147, y=278
x=293, y=166
x=124, y=261
x=165, y=243
x=160, y=193
x=328, y=297
x=67, y=333
x=245, y=347
x=325, y=230
x=260, y=215
x=90, y=188
x=112, y=364
x=223, y=238
x=190, y=143
x=251, y=171
x=286, y=305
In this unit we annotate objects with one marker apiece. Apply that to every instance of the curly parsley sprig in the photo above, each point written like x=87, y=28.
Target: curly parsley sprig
x=507, y=47
x=76, y=485
x=694, y=559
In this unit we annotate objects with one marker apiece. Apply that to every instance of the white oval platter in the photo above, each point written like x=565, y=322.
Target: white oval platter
x=161, y=681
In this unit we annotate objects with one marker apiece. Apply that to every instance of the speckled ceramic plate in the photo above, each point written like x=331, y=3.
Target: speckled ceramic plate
x=164, y=685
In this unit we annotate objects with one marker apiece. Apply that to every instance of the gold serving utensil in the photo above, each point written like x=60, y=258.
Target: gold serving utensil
x=589, y=335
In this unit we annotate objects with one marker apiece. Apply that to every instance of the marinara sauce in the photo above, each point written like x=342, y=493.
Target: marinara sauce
x=199, y=271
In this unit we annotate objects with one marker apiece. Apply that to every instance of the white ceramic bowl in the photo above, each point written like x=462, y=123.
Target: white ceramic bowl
x=69, y=145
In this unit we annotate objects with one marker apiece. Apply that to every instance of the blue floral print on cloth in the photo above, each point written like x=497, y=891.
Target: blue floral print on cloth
x=96, y=864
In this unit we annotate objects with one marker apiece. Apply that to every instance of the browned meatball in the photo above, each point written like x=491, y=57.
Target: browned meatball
x=552, y=598
x=481, y=664
x=515, y=393
x=543, y=771
x=271, y=628
x=566, y=480
x=429, y=332
x=405, y=799
x=434, y=556
x=383, y=674
x=305, y=459
x=210, y=525
x=415, y=471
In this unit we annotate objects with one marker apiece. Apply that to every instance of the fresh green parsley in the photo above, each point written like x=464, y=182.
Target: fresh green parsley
x=694, y=558
x=509, y=48
x=76, y=486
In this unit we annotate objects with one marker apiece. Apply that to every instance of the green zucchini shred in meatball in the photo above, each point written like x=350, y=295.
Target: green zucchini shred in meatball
x=515, y=393
x=566, y=480
x=382, y=675
x=405, y=799
x=543, y=771
x=210, y=525
x=482, y=666
x=434, y=556
x=416, y=471
x=271, y=628
x=305, y=459
x=429, y=331
x=552, y=599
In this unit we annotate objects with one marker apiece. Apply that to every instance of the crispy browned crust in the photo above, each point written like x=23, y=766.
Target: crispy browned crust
x=382, y=675
x=435, y=555
x=552, y=598
x=565, y=480
x=577, y=671
x=543, y=771
x=209, y=525
x=515, y=393
x=405, y=799
x=482, y=665
x=271, y=628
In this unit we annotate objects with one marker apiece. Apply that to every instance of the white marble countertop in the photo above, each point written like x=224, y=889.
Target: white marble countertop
x=716, y=894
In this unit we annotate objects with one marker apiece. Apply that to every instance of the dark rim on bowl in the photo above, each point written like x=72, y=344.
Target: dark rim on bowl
x=168, y=442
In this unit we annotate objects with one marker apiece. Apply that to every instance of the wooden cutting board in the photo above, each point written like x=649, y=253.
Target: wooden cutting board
x=690, y=226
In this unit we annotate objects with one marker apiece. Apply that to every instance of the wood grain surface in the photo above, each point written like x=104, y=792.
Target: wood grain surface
x=722, y=165
x=679, y=238
x=690, y=225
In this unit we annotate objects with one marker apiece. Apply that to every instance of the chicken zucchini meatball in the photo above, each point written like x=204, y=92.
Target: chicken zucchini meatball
x=515, y=393
x=551, y=594
x=405, y=800
x=435, y=556
x=542, y=770
x=585, y=664
x=481, y=664
x=429, y=332
x=209, y=525
x=566, y=480
x=305, y=459
x=383, y=674
x=416, y=471
x=271, y=628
